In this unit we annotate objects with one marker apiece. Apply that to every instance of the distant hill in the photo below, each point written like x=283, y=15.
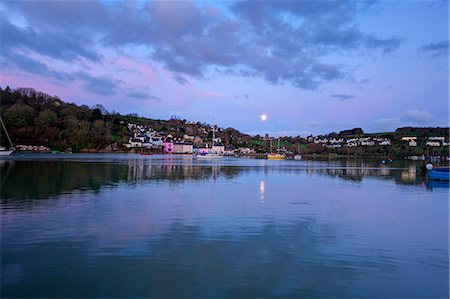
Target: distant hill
x=36, y=118
x=422, y=132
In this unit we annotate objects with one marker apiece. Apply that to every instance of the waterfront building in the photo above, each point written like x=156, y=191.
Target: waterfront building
x=218, y=149
x=182, y=148
x=167, y=147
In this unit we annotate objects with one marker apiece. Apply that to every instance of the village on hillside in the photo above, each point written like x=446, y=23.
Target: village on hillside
x=145, y=138
x=38, y=122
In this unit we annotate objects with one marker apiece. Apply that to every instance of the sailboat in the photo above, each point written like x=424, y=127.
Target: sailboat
x=277, y=155
x=213, y=155
x=3, y=150
x=298, y=156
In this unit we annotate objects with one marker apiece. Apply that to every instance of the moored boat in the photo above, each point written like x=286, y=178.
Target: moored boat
x=277, y=155
x=298, y=156
x=273, y=156
x=209, y=156
x=439, y=173
x=3, y=150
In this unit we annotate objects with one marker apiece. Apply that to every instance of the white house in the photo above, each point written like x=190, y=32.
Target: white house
x=218, y=149
x=433, y=143
x=435, y=138
x=135, y=143
x=186, y=137
x=246, y=150
x=412, y=143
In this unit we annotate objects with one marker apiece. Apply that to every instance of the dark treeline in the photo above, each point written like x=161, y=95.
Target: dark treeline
x=422, y=132
x=36, y=118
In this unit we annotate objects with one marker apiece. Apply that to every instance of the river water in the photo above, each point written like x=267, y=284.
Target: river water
x=118, y=226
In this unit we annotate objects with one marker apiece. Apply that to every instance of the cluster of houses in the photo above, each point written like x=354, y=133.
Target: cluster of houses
x=32, y=148
x=351, y=142
x=144, y=137
x=434, y=141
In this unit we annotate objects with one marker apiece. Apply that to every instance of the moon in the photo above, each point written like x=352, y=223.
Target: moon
x=263, y=117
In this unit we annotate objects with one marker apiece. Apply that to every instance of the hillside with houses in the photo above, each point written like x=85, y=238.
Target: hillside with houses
x=40, y=122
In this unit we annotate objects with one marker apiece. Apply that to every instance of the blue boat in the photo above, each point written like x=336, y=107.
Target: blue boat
x=439, y=173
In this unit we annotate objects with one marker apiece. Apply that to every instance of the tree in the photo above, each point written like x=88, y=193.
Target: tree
x=95, y=115
x=45, y=118
x=355, y=131
x=19, y=115
x=101, y=108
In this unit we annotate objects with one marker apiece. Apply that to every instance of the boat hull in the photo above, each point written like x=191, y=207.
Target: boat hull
x=276, y=157
x=6, y=153
x=209, y=157
x=439, y=175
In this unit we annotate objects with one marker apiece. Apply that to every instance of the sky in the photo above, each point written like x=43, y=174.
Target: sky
x=312, y=67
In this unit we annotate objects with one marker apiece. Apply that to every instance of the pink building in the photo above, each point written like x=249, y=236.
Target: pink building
x=167, y=147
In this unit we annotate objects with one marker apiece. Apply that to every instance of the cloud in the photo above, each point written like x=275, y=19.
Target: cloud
x=142, y=94
x=436, y=49
x=364, y=81
x=242, y=96
x=282, y=42
x=418, y=117
x=66, y=15
x=10, y=59
x=342, y=97
x=66, y=47
x=180, y=79
x=102, y=85
x=415, y=118
x=314, y=124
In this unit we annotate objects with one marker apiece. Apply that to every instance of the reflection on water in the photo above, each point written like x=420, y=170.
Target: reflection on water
x=42, y=177
x=159, y=226
x=262, y=189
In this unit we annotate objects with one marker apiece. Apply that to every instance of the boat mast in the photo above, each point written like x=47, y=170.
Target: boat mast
x=214, y=135
x=7, y=135
x=213, y=126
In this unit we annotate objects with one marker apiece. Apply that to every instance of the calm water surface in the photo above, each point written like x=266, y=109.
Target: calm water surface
x=160, y=226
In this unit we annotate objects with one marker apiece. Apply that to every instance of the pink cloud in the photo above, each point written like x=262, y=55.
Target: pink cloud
x=209, y=94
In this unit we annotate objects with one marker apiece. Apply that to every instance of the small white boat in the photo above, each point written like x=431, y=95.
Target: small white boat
x=3, y=150
x=209, y=156
x=298, y=156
